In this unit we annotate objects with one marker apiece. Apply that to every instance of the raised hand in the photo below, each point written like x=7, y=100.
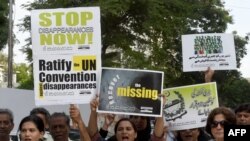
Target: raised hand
x=75, y=114
x=209, y=74
x=109, y=119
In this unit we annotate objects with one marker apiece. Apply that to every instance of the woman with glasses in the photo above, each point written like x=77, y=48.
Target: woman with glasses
x=217, y=119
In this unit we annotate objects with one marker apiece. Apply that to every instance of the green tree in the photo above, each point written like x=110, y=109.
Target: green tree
x=236, y=92
x=146, y=34
x=23, y=72
x=3, y=60
x=3, y=23
x=24, y=76
x=27, y=83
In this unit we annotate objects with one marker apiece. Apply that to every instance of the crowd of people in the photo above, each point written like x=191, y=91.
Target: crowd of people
x=40, y=125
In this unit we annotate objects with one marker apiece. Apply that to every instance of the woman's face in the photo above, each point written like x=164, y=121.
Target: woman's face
x=125, y=131
x=217, y=127
x=29, y=132
x=190, y=134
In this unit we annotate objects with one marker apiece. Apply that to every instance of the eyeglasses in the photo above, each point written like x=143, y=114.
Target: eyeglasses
x=222, y=123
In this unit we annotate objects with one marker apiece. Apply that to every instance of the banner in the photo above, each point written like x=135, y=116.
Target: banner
x=67, y=55
x=188, y=107
x=131, y=92
x=201, y=51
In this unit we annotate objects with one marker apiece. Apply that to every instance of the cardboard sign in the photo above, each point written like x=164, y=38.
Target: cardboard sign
x=67, y=55
x=201, y=51
x=133, y=92
x=188, y=107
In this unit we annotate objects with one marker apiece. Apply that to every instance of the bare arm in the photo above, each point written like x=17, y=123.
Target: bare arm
x=159, y=122
x=208, y=75
x=92, y=126
x=76, y=117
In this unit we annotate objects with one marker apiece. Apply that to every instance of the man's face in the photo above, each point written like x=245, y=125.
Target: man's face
x=59, y=129
x=5, y=125
x=243, y=118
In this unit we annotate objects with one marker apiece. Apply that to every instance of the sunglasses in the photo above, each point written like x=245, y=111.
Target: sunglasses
x=221, y=123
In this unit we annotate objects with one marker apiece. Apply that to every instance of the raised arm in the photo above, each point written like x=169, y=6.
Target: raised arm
x=108, y=120
x=159, y=123
x=76, y=118
x=209, y=75
x=92, y=126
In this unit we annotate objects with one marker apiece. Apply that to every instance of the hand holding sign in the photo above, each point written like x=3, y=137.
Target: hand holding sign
x=75, y=114
x=208, y=75
x=94, y=103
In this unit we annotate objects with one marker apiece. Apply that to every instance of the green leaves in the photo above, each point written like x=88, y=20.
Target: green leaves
x=146, y=34
x=4, y=23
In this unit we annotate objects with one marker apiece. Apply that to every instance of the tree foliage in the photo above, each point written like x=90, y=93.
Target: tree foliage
x=23, y=71
x=3, y=23
x=4, y=61
x=146, y=34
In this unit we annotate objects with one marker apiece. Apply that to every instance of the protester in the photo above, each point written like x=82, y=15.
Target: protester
x=243, y=114
x=125, y=129
x=31, y=128
x=143, y=126
x=6, y=124
x=158, y=133
x=59, y=126
x=77, y=119
x=108, y=120
x=44, y=115
x=217, y=119
x=169, y=135
x=194, y=134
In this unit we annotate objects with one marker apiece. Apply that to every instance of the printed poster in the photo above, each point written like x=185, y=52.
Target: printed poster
x=201, y=51
x=64, y=79
x=188, y=107
x=66, y=45
x=131, y=92
x=66, y=30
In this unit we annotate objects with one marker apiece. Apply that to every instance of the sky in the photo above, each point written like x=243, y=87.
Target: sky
x=239, y=9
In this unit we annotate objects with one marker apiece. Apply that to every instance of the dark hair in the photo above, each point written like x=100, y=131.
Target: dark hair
x=41, y=110
x=35, y=119
x=243, y=108
x=228, y=114
x=9, y=113
x=62, y=114
x=203, y=136
x=145, y=134
x=125, y=119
